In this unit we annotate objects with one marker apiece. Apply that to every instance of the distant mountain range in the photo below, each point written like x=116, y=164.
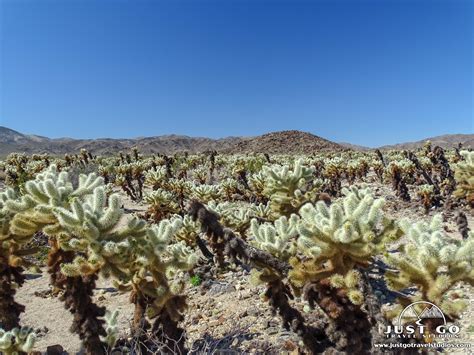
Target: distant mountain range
x=274, y=143
x=444, y=141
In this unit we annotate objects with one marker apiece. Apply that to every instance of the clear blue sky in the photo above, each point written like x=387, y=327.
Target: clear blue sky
x=366, y=72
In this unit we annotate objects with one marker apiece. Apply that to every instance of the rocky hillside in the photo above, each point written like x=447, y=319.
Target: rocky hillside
x=284, y=142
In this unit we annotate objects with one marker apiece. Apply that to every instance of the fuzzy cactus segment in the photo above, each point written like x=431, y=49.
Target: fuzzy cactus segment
x=17, y=340
x=464, y=176
x=278, y=238
x=434, y=263
x=111, y=329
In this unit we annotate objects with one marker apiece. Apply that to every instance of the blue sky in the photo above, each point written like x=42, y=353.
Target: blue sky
x=366, y=72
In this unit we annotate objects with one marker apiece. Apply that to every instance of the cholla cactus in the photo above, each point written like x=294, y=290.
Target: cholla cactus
x=427, y=147
x=257, y=183
x=111, y=329
x=378, y=167
x=334, y=241
x=105, y=171
x=206, y=193
x=17, y=341
x=91, y=230
x=433, y=262
x=357, y=168
x=397, y=171
x=51, y=189
x=283, y=187
x=180, y=187
x=10, y=243
x=233, y=215
x=12, y=260
x=338, y=238
x=156, y=178
x=426, y=192
x=158, y=262
x=18, y=170
x=333, y=170
x=76, y=219
x=464, y=175
x=161, y=204
x=126, y=174
x=200, y=174
x=188, y=231
x=261, y=210
x=278, y=238
x=229, y=188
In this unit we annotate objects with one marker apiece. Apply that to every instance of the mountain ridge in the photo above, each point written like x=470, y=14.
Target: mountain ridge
x=281, y=142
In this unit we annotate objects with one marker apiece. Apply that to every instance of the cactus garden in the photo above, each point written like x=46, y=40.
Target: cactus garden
x=232, y=253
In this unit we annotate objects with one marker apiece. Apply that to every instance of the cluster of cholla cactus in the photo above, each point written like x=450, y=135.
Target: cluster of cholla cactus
x=77, y=223
x=357, y=169
x=19, y=168
x=87, y=239
x=464, y=175
x=300, y=225
x=326, y=247
x=434, y=263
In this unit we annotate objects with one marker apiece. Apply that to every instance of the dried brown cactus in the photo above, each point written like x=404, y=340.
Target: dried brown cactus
x=349, y=327
x=10, y=279
x=77, y=298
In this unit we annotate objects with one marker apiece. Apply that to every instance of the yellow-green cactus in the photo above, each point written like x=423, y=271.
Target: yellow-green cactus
x=283, y=186
x=161, y=204
x=91, y=229
x=434, y=263
x=156, y=178
x=464, y=175
x=17, y=340
x=206, y=193
x=278, y=238
x=111, y=329
x=336, y=239
x=50, y=189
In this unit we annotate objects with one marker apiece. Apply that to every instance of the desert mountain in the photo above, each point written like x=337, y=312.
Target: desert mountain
x=284, y=142
x=444, y=141
x=278, y=142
